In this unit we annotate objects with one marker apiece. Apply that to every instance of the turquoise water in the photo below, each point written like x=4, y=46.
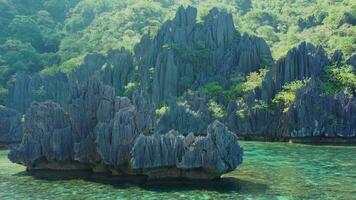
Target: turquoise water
x=270, y=171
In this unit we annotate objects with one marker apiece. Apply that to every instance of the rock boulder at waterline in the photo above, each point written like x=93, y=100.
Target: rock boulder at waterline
x=118, y=143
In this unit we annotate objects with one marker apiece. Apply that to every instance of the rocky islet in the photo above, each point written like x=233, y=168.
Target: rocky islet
x=121, y=135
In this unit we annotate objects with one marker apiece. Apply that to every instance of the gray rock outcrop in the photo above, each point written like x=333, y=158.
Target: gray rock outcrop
x=91, y=102
x=185, y=115
x=186, y=54
x=49, y=143
x=315, y=113
x=318, y=114
x=302, y=62
x=48, y=139
x=116, y=138
x=172, y=155
x=10, y=126
x=116, y=70
x=25, y=89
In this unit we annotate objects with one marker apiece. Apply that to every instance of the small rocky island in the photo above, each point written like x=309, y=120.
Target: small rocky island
x=165, y=110
x=108, y=134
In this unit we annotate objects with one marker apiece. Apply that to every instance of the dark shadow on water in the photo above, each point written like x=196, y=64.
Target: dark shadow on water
x=223, y=185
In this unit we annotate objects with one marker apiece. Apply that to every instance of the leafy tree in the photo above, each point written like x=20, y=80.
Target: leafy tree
x=24, y=28
x=162, y=111
x=20, y=56
x=339, y=79
x=288, y=95
x=217, y=110
x=243, y=6
x=254, y=80
x=213, y=89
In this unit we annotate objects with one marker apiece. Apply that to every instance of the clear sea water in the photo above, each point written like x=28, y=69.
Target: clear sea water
x=270, y=171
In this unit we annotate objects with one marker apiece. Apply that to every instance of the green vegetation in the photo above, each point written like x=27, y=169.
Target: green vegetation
x=217, y=110
x=190, y=54
x=340, y=78
x=288, y=95
x=161, y=111
x=213, y=90
x=260, y=105
x=130, y=88
x=254, y=80
x=243, y=85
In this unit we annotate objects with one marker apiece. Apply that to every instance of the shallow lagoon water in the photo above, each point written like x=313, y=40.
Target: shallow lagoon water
x=270, y=171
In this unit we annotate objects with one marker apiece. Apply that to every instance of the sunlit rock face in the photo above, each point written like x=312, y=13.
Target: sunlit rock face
x=10, y=126
x=186, y=54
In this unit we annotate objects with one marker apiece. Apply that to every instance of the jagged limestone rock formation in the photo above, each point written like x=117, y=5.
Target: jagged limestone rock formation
x=91, y=102
x=337, y=57
x=120, y=147
x=318, y=114
x=10, y=126
x=186, y=54
x=172, y=155
x=302, y=62
x=116, y=70
x=250, y=54
x=314, y=112
x=185, y=115
x=181, y=117
x=48, y=141
x=25, y=89
x=116, y=138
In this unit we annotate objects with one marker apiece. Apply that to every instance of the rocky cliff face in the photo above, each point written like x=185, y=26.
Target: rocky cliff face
x=115, y=70
x=318, y=114
x=186, y=54
x=105, y=133
x=190, y=114
x=172, y=155
x=48, y=138
x=315, y=113
x=302, y=62
x=182, y=58
x=25, y=89
x=10, y=126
